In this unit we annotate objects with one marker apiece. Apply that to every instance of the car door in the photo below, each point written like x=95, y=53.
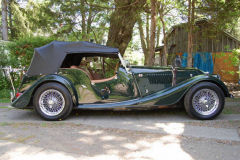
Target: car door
x=118, y=88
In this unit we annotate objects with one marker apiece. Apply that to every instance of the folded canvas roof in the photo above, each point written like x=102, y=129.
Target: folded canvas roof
x=48, y=59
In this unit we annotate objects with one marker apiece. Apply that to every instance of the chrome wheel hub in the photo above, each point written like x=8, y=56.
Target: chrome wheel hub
x=205, y=102
x=51, y=102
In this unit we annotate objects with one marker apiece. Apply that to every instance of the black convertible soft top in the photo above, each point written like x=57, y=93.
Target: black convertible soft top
x=48, y=59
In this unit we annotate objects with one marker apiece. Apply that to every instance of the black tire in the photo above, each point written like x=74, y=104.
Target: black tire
x=56, y=99
x=200, y=97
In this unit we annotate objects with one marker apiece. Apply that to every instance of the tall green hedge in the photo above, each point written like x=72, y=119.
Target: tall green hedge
x=18, y=54
x=21, y=50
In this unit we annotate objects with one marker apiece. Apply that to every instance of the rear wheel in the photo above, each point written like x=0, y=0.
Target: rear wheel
x=204, y=101
x=52, y=101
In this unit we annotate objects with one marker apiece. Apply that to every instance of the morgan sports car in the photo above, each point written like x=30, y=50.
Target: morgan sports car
x=104, y=80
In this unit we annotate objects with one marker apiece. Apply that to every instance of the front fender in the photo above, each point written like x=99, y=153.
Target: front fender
x=175, y=93
x=23, y=100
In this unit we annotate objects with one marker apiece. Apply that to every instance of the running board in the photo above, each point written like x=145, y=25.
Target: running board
x=123, y=104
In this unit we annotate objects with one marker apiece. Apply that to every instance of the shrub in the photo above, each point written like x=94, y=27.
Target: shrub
x=4, y=82
x=18, y=54
x=21, y=51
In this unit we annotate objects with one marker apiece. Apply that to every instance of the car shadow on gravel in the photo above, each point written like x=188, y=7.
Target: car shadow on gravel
x=162, y=111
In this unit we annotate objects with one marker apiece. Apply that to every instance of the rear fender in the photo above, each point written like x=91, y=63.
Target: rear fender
x=23, y=100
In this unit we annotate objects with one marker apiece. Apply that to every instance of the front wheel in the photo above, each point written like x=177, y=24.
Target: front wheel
x=204, y=101
x=52, y=101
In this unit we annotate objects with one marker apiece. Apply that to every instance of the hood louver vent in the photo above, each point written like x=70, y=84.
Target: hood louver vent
x=160, y=78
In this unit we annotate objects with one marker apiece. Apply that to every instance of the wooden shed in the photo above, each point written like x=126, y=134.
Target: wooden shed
x=206, y=39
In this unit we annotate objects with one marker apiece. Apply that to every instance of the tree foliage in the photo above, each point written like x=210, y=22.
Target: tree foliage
x=79, y=21
x=21, y=50
x=18, y=54
x=113, y=21
x=35, y=18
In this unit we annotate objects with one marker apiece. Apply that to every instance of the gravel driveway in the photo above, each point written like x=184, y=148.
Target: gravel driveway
x=123, y=135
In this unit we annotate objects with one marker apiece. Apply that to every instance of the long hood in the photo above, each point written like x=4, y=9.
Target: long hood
x=148, y=69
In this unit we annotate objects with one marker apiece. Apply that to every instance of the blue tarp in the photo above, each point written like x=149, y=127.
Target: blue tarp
x=184, y=59
x=202, y=61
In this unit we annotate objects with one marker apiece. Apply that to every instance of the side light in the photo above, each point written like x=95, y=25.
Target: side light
x=216, y=75
x=206, y=73
x=18, y=94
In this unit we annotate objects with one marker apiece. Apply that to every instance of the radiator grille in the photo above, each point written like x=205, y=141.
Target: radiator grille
x=160, y=78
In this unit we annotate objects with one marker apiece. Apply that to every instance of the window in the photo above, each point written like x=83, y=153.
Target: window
x=100, y=67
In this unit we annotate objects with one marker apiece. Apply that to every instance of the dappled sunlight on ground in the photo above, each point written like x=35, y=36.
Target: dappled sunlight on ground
x=110, y=135
x=164, y=148
x=143, y=146
x=141, y=149
x=171, y=128
x=108, y=138
x=87, y=132
x=72, y=141
x=14, y=151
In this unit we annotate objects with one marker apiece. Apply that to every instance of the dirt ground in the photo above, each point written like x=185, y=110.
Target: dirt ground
x=234, y=88
x=120, y=135
x=92, y=142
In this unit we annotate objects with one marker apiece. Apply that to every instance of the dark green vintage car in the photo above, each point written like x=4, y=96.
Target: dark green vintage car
x=105, y=81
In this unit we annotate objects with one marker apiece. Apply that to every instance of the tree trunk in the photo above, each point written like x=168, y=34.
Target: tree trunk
x=191, y=19
x=122, y=22
x=165, y=50
x=89, y=22
x=82, y=9
x=10, y=19
x=147, y=31
x=158, y=35
x=4, y=21
x=190, y=48
x=153, y=34
x=146, y=60
x=144, y=46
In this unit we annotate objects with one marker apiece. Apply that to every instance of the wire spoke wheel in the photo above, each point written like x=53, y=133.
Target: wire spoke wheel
x=51, y=102
x=205, y=102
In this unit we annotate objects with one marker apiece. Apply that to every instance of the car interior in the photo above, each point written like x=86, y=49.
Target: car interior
x=99, y=69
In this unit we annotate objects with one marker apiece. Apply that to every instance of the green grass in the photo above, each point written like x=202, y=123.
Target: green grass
x=232, y=100
x=6, y=123
x=4, y=100
x=44, y=124
x=4, y=107
x=227, y=111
